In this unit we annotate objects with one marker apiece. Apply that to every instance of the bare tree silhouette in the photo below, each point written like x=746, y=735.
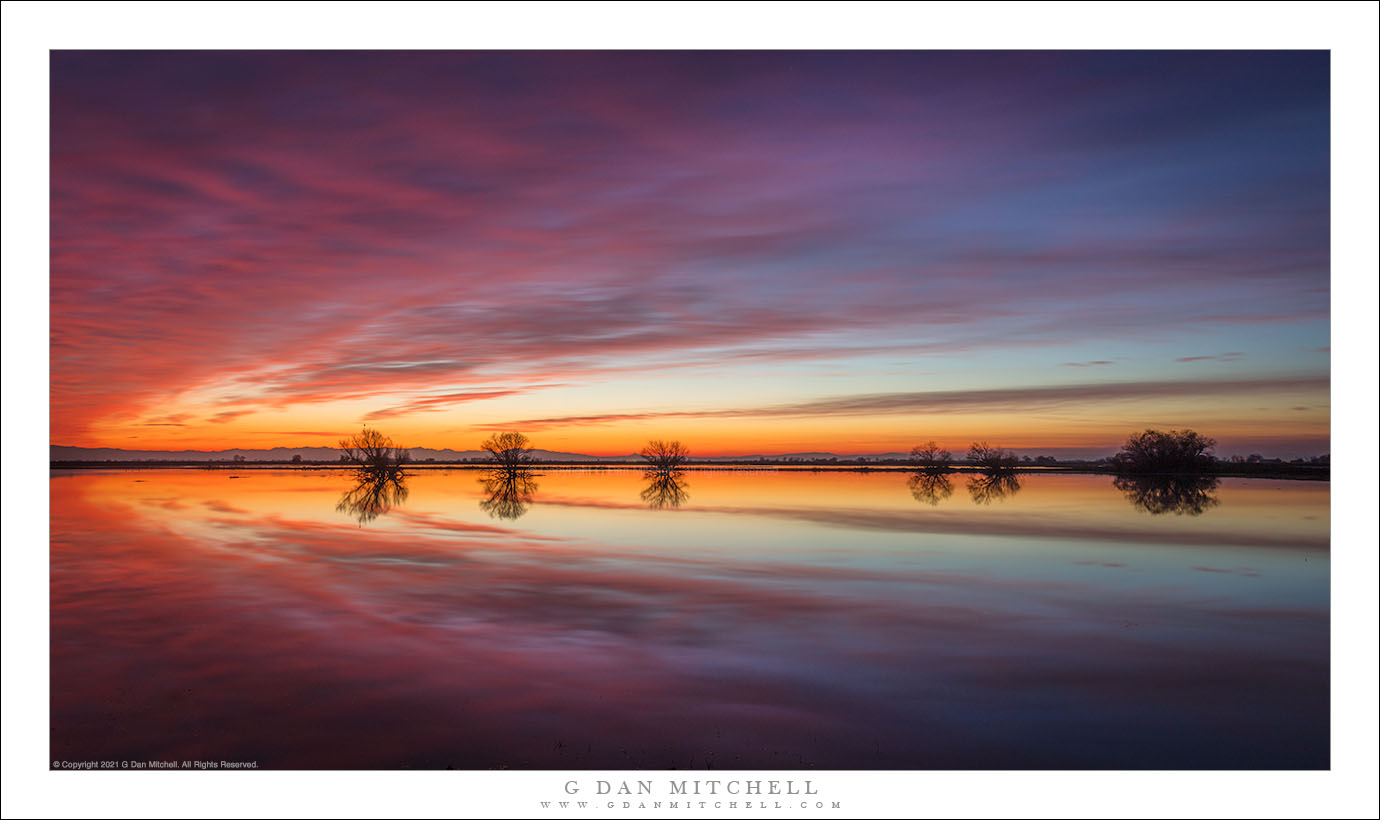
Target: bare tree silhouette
x=1158, y=451
x=509, y=451
x=930, y=487
x=992, y=458
x=995, y=485
x=372, y=450
x=1181, y=495
x=930, y=457
x=665, y=456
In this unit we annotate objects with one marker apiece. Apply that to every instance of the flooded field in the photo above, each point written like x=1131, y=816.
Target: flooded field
x=720, y=619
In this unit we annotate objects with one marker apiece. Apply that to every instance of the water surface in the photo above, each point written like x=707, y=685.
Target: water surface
x=728, y=619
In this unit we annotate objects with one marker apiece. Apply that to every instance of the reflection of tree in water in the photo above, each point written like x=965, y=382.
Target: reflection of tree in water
x=510, y=492
x=993, y=486
x=1181, y=495
x=665, y=489
x=930, y=487
x=376, y=491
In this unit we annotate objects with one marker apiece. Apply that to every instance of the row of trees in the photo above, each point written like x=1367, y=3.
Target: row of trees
x=933, y=458
x=512, y=450
x=509, y=450
x=1150, y=451
x=1155, y=467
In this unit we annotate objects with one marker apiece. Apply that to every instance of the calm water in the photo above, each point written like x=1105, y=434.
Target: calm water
x=732, y=620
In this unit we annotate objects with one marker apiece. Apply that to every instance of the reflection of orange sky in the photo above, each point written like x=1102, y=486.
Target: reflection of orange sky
x=1280, y=513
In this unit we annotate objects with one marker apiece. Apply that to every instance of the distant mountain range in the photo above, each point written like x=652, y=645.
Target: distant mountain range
x=319, y=454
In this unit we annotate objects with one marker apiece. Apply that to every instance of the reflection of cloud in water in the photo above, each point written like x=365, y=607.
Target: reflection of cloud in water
x=930, y=487
x=510, y=492
x=221, y=507
x=1181, y=495
x=665, y=489
x=374, y=494
x=1028, y=524
x=655, y=659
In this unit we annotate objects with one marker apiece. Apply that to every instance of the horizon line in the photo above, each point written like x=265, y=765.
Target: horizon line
x=1090, y=452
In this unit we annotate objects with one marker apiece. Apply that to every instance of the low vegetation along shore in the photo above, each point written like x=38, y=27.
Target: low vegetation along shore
x=1152, y=452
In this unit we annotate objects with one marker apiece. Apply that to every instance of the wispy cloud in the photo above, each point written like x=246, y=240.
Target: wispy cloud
x=227, y=415
x=954, y=401
x=434, y=403
x=1220, y=357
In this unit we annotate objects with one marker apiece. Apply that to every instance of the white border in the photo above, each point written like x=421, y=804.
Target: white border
x=1348, y=29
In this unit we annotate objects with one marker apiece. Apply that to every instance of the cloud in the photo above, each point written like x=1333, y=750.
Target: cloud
x=965, y=400
x=170, y=420
x=227, y=415
x=1050, y=526
x=1220, y=357
x=434, y=403
x=272, y=230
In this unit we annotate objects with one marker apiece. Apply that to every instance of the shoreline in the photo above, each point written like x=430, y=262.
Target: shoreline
x=1265, y=471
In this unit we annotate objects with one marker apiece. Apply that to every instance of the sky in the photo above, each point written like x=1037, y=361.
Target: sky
x=751, y=252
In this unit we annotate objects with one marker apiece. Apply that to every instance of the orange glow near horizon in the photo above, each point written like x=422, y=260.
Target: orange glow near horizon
x=1101, y=429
